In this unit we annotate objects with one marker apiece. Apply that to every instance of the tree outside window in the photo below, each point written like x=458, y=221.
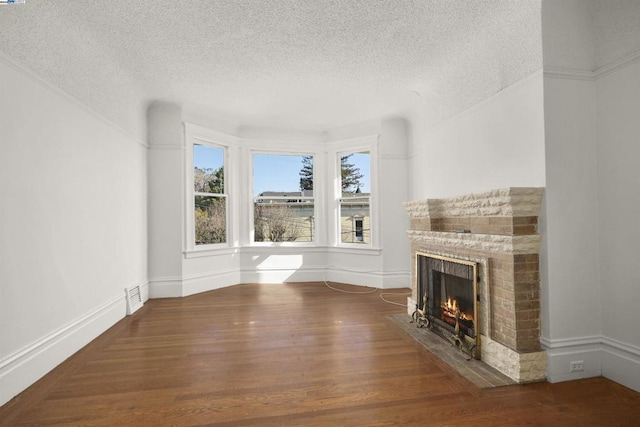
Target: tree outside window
x=283, y=206
x=355, y=199
x=210, y=199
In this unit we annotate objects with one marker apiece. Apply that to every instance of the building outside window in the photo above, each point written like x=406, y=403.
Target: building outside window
x=355, y=199
x=282, y=188
x=283, y=204
x=359, y=227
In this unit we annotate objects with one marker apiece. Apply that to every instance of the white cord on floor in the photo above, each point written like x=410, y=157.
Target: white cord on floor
x=374, y=290
x=348, y=292
x=394, y=293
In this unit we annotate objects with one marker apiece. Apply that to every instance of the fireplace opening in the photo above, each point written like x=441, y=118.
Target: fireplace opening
x=447, y=297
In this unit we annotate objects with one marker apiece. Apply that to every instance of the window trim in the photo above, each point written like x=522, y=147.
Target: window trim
x=340, y=148
x=195, y=135
x=238, y=164
x=251, y=226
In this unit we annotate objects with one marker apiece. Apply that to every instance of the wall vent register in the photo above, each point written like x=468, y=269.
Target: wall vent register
x=134, y=299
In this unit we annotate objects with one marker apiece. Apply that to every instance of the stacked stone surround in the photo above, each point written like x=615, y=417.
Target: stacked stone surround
x=497, y=229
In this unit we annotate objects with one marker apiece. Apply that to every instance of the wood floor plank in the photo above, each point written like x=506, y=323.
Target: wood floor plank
x=289, y=354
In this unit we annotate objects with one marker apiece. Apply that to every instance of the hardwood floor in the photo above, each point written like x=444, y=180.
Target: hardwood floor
x=289, y=355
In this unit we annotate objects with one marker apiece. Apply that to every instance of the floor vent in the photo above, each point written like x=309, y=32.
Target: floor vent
x=134, y=299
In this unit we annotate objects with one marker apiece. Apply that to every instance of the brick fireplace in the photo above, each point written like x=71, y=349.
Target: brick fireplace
x=498, y=231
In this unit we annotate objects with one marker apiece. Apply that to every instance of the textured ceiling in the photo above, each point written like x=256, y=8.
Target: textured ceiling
x=304, y=64
x=589, y=35
x=616, y=29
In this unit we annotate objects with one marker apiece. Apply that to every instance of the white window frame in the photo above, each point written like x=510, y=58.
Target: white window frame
x=251, y=201
x=196, y=135
x=341, y=148
x=238, y=172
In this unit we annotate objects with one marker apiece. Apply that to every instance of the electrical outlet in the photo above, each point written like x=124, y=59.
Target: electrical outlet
x=576, y=366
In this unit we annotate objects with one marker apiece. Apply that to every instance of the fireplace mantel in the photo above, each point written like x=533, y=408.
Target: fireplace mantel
x=506, y=211
x=497, y=229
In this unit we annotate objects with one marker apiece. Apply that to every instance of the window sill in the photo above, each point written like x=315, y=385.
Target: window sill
x=354, y=250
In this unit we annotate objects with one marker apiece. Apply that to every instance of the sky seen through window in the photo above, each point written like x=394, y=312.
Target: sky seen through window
x=275, y=172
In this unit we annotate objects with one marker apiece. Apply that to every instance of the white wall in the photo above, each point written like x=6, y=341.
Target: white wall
x=618, y=148
x=394, y=189
x=592, y=201
x=569, y=260
x=73, y=226
x=569, y=266
x=592, y=87
x=165, y=199
x=495, y=144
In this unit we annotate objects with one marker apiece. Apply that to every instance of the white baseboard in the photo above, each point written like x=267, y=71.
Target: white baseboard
x=282, y=275
x=175, y=287
x=600, y=356
x=209, y=282
x=400, y=280
x=621, y=363
x=144, y=289
x=23, y=368
x=172, y=287
x=560, y=354
x=165, y=287
x=374, y=279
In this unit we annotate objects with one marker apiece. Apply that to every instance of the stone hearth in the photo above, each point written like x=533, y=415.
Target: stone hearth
x=498, y=230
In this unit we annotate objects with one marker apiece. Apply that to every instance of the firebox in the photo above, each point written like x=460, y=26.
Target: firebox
x=448, y=299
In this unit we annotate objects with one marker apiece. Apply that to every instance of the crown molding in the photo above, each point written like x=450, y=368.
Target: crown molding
x=578, y=74
x=569, y=74
x=36, y=78
x=617, y=65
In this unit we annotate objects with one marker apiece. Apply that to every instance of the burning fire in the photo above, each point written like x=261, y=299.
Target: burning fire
x=450, y=308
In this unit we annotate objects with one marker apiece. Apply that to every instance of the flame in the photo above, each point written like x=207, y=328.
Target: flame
x=451, y=308
x=451, y=305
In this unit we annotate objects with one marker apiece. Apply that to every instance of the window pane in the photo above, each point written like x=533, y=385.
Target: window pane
x=354, y=174
x=208, y=169
x=355, y=221
x=283, y=222
x=210, y=220
x=283, y=198
x=282, y=173
x=355, y=215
